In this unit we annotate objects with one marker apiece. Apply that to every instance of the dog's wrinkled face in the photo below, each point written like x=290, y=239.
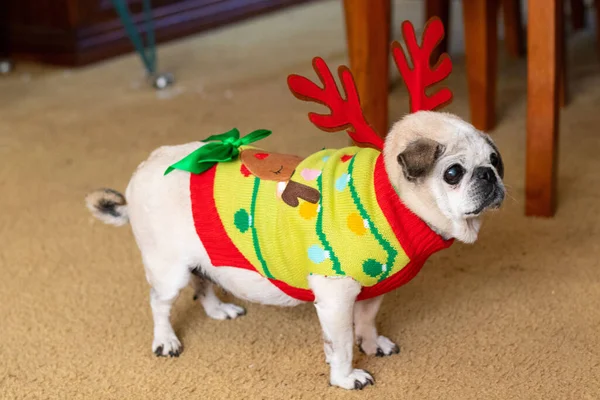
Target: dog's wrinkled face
x=465, y=176
x=443, y=162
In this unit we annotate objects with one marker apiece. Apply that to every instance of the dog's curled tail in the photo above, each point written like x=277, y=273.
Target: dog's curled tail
x=108, y=205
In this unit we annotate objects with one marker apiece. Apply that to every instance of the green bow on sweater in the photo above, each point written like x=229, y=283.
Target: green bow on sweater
x=219, y=148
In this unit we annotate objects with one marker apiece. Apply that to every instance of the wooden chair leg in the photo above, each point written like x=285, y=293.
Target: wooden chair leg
x=368, y=24
x=481, y=39
x=440, y=9
x=513, y=28
x=542, y=106
x=597, y=13
x=577, y=14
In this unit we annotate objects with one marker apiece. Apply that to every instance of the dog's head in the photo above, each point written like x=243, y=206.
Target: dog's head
x=445, y=171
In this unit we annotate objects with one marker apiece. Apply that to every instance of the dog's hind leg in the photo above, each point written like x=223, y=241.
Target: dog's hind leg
x=165, y=341
x=367, y=338
x=204, y=290
x=166, y=280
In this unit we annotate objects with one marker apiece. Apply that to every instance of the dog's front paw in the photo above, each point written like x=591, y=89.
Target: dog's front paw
x=379, y=346
x=357, y=379
x=225, y=311
x=167, y=345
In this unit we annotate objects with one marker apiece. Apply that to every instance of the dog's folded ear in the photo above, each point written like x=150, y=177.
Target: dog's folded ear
x=499, y=164
x=419, y=157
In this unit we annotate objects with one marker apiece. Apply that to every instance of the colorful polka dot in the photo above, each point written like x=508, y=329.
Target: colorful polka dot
x=316, y=254
x=342, y=182
x=310, y=174
x=245, y=171
x=242, y=220
x=280, y=188
x=308, y=210
x=356, y=224
x=373, y=268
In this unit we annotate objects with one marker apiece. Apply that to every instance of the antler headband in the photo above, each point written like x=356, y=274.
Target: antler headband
x=346, y=112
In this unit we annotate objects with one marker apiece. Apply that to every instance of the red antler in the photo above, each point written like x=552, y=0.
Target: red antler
x=422, y=75
x=345, y=113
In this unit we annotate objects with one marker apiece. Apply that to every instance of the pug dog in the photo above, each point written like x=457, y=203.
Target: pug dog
x=439, y=175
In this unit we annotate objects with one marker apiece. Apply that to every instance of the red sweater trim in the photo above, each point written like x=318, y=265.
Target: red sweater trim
x=417, y=239
x=210, y=229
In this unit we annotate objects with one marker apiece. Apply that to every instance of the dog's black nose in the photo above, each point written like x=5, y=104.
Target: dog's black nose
x=485, y=173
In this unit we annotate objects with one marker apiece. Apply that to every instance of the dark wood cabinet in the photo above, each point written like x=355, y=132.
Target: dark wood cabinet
x=79, y=32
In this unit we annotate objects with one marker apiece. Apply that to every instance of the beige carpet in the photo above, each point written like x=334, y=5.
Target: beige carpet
x=515, y=316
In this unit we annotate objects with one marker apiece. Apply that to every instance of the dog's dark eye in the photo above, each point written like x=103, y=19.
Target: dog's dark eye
x=494, y=160
x=454, y=174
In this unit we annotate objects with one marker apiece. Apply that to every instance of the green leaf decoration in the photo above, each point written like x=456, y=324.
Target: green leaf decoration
x=218, y=148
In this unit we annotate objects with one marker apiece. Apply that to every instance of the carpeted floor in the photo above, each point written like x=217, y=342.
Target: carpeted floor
x=515, y=316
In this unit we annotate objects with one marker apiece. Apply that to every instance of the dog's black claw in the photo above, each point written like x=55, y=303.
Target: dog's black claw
x=158, y=351
x=396, y=349
x=371, y=381
x=379, y=352
x=174, y=353
x=358, y=385
x=243, y=312
x=195, y=297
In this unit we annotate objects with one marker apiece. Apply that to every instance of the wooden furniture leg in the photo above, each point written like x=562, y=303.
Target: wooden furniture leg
x=597, y=13
x=563, y=94
x=577, y=14
x=440, y=9
x=542, y=106
x=480, y=18
x=513, y=27
x=368, y=24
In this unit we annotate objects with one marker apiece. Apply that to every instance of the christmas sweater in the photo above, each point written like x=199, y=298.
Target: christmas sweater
x=334, y=213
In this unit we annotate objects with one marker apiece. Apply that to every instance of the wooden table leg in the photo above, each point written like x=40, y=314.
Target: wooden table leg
x=563, y=62
x=368, y=24
x=577, y=14
x=440, y=9
x=481, y=39
x=513, y=28
x=542, y=106
x=597, y=12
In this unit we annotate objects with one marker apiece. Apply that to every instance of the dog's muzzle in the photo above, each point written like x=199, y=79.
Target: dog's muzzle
x=488, y=189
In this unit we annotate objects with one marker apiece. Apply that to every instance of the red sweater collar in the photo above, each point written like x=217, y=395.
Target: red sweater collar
x=418, y=240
